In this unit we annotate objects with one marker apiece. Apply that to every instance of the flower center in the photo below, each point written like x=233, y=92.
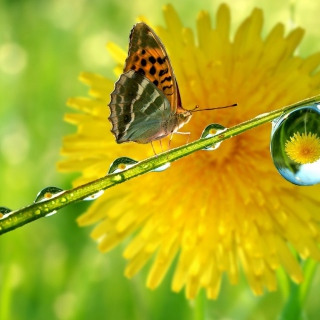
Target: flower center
x=303, y=148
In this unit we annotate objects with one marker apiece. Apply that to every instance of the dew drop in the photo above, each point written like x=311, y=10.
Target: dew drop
x=162, y=168
x=63, y=200
x=261, y=115
x=4, y=212
x=210, y=131
x=295, y=145
x=121, y=164
x=38, y=211
x=51, y=213
x=94, y=196
x=146, y=166
x=48, y=212
x=117, y=178
x=48, y=193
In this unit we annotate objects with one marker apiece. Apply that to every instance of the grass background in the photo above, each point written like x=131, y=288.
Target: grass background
x=51, y=269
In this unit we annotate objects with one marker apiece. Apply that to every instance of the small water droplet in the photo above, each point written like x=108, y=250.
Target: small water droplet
x=94, y=196
x=210, y=131
x=261, y=115
x=51, y=213
x=38, y=211
x=146, y=166
x=162, y=168
x=295, y=145
x=48, y=193
x=63, y=200
x=121, y=164
x=117, y=178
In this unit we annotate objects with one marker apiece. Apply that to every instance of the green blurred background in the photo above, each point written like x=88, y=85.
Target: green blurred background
x=51, y=269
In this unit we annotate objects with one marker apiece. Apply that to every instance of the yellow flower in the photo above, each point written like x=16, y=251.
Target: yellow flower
x=215, y=210
x=303, y=148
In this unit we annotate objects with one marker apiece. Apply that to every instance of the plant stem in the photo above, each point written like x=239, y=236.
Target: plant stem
x=37, y=210
x=200, y=307
x=292, y=308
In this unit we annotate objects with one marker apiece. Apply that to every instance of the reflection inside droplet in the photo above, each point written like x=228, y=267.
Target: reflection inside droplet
x=295, y=145
x=210, y=131
x=48, y=193
x=121, y=164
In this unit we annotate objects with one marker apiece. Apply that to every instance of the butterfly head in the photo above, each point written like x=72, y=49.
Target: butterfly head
x=184, y=117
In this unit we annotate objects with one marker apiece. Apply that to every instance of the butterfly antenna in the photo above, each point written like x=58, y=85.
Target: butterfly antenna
x=196, y=109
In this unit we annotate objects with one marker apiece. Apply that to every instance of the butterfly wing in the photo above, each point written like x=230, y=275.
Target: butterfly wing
x=140, y=112
x=147, y=56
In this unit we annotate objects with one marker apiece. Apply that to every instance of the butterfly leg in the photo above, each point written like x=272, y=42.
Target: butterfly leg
x=169, y=143
x=160, y=141
x=188, y=133
x=153, y=149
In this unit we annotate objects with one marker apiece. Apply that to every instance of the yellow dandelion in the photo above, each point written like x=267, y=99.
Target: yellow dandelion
x=303, y=148
x=216, y=212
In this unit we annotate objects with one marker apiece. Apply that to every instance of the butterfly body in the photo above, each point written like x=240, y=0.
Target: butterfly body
x=145, y=104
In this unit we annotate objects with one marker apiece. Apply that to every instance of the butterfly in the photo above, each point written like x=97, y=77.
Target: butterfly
x=145, y=103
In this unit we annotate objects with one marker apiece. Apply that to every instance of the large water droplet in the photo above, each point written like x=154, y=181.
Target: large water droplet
x=4, y=212
x=210, y=131
x=48, y=193
x=121, y=164
x=295, y=145
x=94, y=196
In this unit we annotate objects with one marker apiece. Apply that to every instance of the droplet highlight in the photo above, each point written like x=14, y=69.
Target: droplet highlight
x=48, y=193
x=121, y=164
x=210, y=131
x=295, y=145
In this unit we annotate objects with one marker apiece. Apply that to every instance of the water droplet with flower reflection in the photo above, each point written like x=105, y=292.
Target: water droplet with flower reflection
x=295, y=145
x=210, y=131
x=4, y=212
x=121, y=164
x=124, y=163
x=48, y=193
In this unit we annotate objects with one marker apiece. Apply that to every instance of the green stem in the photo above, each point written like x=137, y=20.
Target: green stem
x=309, y=269
x=37, y=210
x=200, y=306
x=292, y=309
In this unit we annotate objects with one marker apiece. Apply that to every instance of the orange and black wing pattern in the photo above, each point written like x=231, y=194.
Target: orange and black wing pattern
x=148, y=57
